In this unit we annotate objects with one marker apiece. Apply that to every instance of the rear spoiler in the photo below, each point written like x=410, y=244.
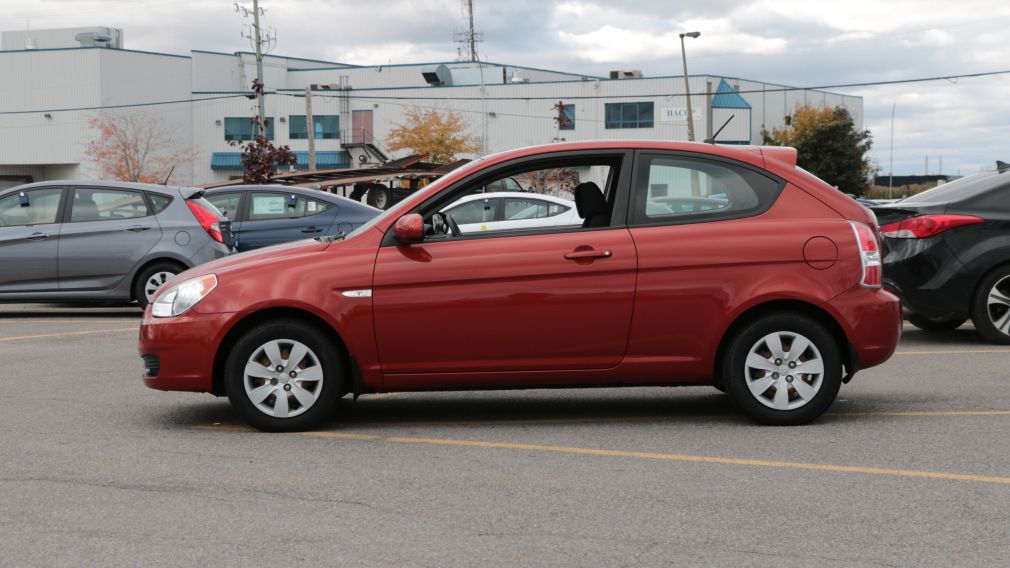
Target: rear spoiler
x=191, y=192
x=781, y=154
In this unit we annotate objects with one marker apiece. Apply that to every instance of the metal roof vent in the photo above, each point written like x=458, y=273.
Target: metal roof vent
x=438, y=76
x=92, y=39
x=634, y=74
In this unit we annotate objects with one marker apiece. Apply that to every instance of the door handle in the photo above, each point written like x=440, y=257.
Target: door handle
x=312, y=230
x=38, y=236
x=138, y=228
x=583, y=254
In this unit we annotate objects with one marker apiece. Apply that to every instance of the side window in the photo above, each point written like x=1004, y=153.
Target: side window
x=680, y=189
x=42, y=206
x=226, y=203
x=475, y=211
x=546, y=205
x=264, y=206
x=518, y=208
x=160, y=202
x=100, y=204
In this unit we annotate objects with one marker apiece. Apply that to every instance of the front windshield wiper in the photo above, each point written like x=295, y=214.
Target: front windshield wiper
x=330, y=238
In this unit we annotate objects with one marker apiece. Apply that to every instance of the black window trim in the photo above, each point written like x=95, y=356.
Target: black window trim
x=69, y=205
x=634, y=220
x=624, y=158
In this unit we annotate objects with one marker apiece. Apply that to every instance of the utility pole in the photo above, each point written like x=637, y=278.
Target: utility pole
x=310, y=128
x=258, y=40
x=687, y=85
x=890, y=173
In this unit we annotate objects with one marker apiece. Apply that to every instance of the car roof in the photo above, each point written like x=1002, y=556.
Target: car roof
x=518, y=194
x=277, y=188
x=152, y=187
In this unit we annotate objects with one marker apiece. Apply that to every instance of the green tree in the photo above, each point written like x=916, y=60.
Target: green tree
x=828, y=145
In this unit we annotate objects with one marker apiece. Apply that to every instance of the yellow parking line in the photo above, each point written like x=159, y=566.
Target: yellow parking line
x=89, y=332
x=655, y=456
x=952, y=352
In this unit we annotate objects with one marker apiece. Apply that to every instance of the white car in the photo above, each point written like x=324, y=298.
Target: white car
x=506, y=210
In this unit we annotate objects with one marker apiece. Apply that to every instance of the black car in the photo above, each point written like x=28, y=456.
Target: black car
x=947, y=254
x=264, y=215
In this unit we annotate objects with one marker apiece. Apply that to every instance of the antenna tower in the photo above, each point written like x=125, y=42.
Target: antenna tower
x=469, y=37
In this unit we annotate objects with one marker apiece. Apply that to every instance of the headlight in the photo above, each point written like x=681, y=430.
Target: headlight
x=183, y=296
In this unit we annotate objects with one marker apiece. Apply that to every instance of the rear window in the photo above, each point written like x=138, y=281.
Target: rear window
x=963, y=189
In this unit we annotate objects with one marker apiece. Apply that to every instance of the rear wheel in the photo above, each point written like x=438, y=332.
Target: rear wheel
x=783, y=369
x=379, y=196
x=149, y=280
x=990, y=309
x=284, y=376
x=938, y=324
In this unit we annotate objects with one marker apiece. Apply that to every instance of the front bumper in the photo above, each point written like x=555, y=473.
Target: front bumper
x=871, y=319
x=179, y=352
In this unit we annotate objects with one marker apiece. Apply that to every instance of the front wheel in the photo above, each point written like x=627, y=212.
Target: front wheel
x=783, y=369
x=284, y=376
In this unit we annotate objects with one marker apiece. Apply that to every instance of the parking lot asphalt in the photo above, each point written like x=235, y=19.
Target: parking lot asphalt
x=911, y=467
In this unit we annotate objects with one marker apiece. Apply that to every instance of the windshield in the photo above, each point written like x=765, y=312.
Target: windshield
x=411, y=200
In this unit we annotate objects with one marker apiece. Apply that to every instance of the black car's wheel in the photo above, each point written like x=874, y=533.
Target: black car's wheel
x=990, y=308
x=930, y=324
x=284, y=376
x=379, y=196
x=783, y=369
x=149, y=280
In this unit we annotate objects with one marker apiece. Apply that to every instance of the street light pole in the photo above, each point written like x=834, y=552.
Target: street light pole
x=687, y=86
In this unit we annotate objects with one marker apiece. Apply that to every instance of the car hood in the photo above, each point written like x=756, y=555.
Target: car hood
x=257, y=258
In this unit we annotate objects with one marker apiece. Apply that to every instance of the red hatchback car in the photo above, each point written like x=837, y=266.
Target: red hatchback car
x=691, y=264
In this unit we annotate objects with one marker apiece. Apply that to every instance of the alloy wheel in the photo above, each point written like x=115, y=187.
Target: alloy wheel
x=998, y=305
x=154, y=282
x=784, y=370
x=283, y=378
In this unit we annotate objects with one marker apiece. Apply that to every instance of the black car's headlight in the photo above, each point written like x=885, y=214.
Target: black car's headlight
x=183, y=296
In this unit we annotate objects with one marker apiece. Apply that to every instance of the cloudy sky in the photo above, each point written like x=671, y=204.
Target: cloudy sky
x=796, y=42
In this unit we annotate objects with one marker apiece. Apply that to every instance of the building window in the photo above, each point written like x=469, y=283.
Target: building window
x=628, y=115
x=566, y=117
x=241, y=128
x=327, y=127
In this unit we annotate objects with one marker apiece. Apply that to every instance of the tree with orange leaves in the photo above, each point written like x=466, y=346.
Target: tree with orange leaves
x=434, y=136
x=136, y=147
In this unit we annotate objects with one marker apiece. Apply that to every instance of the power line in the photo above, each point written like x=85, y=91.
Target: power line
x=133, y=105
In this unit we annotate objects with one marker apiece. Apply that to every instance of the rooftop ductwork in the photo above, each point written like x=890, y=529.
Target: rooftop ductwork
x=92, y=39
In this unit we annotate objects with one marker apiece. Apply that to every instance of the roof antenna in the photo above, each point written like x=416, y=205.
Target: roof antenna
x=168, y=176
x=714, y=136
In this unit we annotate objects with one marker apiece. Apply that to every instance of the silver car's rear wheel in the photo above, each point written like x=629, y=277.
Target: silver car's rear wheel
x=283, y=378
x=154, y=282
x=784, y=370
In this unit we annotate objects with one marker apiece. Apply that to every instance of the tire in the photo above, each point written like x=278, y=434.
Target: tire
x=930, y=324
x=379, y=196
x=752, y=373
x=990, y=308
x=306, y=401
x=144, y=285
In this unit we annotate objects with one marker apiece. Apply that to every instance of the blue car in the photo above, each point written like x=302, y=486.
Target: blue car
x=264, y=215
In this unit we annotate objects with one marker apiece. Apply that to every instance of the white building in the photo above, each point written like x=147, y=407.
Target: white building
x=58, y=81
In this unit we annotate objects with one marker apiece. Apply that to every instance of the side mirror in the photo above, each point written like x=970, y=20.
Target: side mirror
x=409, y=229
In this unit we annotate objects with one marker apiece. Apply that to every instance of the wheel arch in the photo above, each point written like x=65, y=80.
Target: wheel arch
x=848, y=353
x=151, y=262
x=255, y=318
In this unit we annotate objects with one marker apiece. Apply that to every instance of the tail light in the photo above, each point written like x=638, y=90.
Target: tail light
x=207, y=220
x=869, y=255
x=924, y=226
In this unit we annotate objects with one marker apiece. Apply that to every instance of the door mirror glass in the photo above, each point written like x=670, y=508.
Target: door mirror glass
x=409, y=229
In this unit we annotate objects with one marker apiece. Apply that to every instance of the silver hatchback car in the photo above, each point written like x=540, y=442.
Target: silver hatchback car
x=83, y=241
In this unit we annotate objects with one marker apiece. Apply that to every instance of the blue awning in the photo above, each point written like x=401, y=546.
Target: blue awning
x=727, y=97
x=324, y=160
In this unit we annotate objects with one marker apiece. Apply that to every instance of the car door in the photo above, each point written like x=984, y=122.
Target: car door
x=107, y=232
x=29, y=240
x=278, y=217
x=492, y=309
